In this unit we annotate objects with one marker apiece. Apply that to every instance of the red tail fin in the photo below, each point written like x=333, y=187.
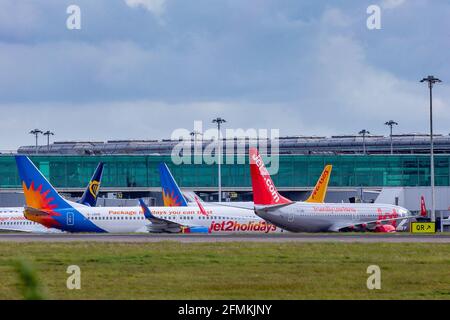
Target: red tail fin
x=264, y=191
x=423, y=209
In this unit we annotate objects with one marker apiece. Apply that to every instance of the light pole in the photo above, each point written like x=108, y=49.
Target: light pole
x=219, y=121
x=198, y=145
x=194, y=134
x=48, y=133
x=431, y=81
x=363, y=132
x=391, y=123
x=36, y=133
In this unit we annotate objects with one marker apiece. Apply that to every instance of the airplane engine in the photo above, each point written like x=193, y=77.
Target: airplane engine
x=385, y=228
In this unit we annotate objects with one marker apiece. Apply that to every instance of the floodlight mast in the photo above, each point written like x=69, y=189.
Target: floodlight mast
x=219, y=122
x=431, y=80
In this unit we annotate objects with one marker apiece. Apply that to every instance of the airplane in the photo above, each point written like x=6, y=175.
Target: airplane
x=44, y=205
x=13, y=219
x=316, y=217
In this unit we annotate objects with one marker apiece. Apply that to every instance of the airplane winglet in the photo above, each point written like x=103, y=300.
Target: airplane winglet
x=147, y=213
x=202, y=209
x=159, y=222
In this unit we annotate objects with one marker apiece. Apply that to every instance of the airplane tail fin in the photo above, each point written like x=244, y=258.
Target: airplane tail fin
x=264, y=191
x=423, y=208
x=89, y=197
x=320, y=190
x=171, y=193
x=39, y=193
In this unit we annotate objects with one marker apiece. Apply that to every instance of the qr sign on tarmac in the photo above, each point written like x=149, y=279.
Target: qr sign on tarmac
x=423, y=227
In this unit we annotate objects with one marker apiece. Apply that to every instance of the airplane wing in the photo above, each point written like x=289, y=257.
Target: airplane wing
x=18, y=229
x=157, y=222
x=367, y=224
x=31, y=230
x=248, y=206
x=160, y=224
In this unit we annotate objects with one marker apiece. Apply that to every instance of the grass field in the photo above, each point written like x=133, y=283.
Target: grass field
x=170, y=270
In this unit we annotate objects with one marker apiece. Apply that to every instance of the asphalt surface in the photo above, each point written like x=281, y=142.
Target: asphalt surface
x=199, y=238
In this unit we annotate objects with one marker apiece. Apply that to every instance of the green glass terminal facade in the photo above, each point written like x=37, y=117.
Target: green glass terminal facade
x=295, y=171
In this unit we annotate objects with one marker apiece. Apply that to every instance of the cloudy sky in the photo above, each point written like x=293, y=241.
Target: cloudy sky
x=138, y=69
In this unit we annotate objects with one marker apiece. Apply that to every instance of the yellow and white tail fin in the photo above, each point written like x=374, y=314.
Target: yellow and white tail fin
x=320, y=190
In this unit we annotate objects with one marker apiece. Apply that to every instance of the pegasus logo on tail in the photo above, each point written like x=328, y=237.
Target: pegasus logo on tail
x=320, y=190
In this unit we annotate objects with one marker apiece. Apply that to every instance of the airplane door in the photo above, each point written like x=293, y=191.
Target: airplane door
x=70, y=219
x=290, y=216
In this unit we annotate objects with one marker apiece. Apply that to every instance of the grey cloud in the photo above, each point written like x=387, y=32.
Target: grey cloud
x=302, y=67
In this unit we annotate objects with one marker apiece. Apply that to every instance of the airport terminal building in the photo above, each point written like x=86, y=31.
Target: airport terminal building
x=131, y=168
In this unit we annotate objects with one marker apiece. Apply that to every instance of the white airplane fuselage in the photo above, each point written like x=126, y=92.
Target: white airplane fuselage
x=324, y=217
x=12, y=219
x=131, y=219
